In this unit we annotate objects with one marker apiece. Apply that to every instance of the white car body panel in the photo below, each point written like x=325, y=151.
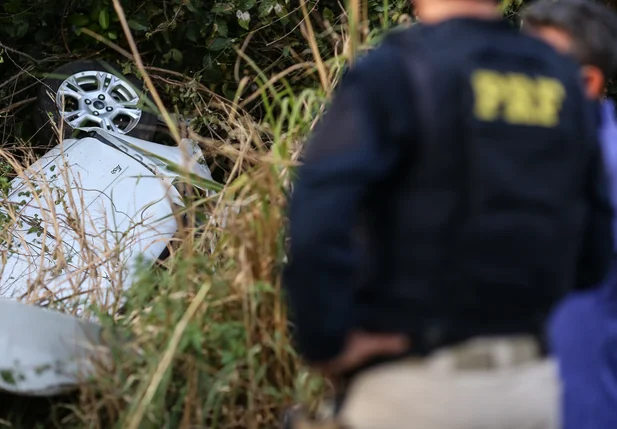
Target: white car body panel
x=43, y=352
x=118, y=201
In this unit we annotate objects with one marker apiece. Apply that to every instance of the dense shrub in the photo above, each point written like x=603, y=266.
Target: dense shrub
x=190, y=36
x=182, y=41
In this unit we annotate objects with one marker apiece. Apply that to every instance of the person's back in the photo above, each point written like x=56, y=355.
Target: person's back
x=471, y=185
x=483, y=213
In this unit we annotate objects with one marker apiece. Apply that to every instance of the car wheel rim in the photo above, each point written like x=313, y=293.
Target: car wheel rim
x=98, y=99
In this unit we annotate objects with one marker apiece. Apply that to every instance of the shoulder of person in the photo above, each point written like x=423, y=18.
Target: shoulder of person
x=403, y=38
x=548, y=53
x=384, y=61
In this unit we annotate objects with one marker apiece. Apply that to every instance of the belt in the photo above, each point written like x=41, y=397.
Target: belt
x=536, y=343
x=489, y=353
x=481, y=353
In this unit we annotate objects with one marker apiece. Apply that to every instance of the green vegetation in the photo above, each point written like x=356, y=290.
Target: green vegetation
x=180, y=41
x=209, y=337
x=210, y=345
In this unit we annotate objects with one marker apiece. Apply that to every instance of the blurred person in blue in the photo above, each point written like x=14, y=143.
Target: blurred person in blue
x=451, y=195
x=583, y=328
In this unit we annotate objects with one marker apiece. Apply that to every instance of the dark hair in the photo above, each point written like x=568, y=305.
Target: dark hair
x=592, y=26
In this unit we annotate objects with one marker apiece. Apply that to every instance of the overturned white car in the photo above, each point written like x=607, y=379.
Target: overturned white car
x=76, y=226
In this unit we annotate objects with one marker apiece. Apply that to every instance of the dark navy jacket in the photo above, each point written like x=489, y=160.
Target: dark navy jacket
x=457, y=206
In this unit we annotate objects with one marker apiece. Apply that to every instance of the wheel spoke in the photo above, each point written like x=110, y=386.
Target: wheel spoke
x=130, y=104
x=107, y=124
x=67, y=114
x=66, y=92
x=134, y=114
x=101, y=77
x=113, y=81
x=73, y=85
x=76, y=119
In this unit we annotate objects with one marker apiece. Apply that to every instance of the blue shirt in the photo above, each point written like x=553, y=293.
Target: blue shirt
x=583, y=328
x=608, y=141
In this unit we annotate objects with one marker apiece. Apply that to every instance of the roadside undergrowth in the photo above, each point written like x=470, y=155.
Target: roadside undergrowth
x=211, y=346
x=205, y=333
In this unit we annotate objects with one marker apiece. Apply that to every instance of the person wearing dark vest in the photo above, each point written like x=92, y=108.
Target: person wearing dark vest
x=452, y=193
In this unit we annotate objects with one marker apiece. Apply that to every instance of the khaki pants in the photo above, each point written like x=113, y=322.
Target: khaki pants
x=482, y=384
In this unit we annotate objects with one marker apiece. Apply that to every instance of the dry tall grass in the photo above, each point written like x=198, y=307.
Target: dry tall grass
x=209, y=344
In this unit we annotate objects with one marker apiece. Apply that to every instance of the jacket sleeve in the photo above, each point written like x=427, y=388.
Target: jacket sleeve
x=597, y=252
x=350, y=152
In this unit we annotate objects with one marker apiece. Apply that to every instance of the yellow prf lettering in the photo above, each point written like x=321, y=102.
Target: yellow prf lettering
x=551, y=94
x=520, y=99
x=517, y=98
x=487, y=86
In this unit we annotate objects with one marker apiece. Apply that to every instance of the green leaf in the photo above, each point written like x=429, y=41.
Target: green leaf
x=79, y=20
x=328, y=15
x=265, y=8
x=223, y=8
x=192, y=32
x=94, y=13
x=246, y=4
x=104, y=19
x=176, y=55
x=8, y=377
x=93, y=26
x=208, y=62
x=13, y=6
x=281, y=12
x=244, y=23
x=219, y=43
x=22, y=29
x=134, y=25
x=112, y=35
x=221, y=28
x=191, y=7
x=195, y=335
